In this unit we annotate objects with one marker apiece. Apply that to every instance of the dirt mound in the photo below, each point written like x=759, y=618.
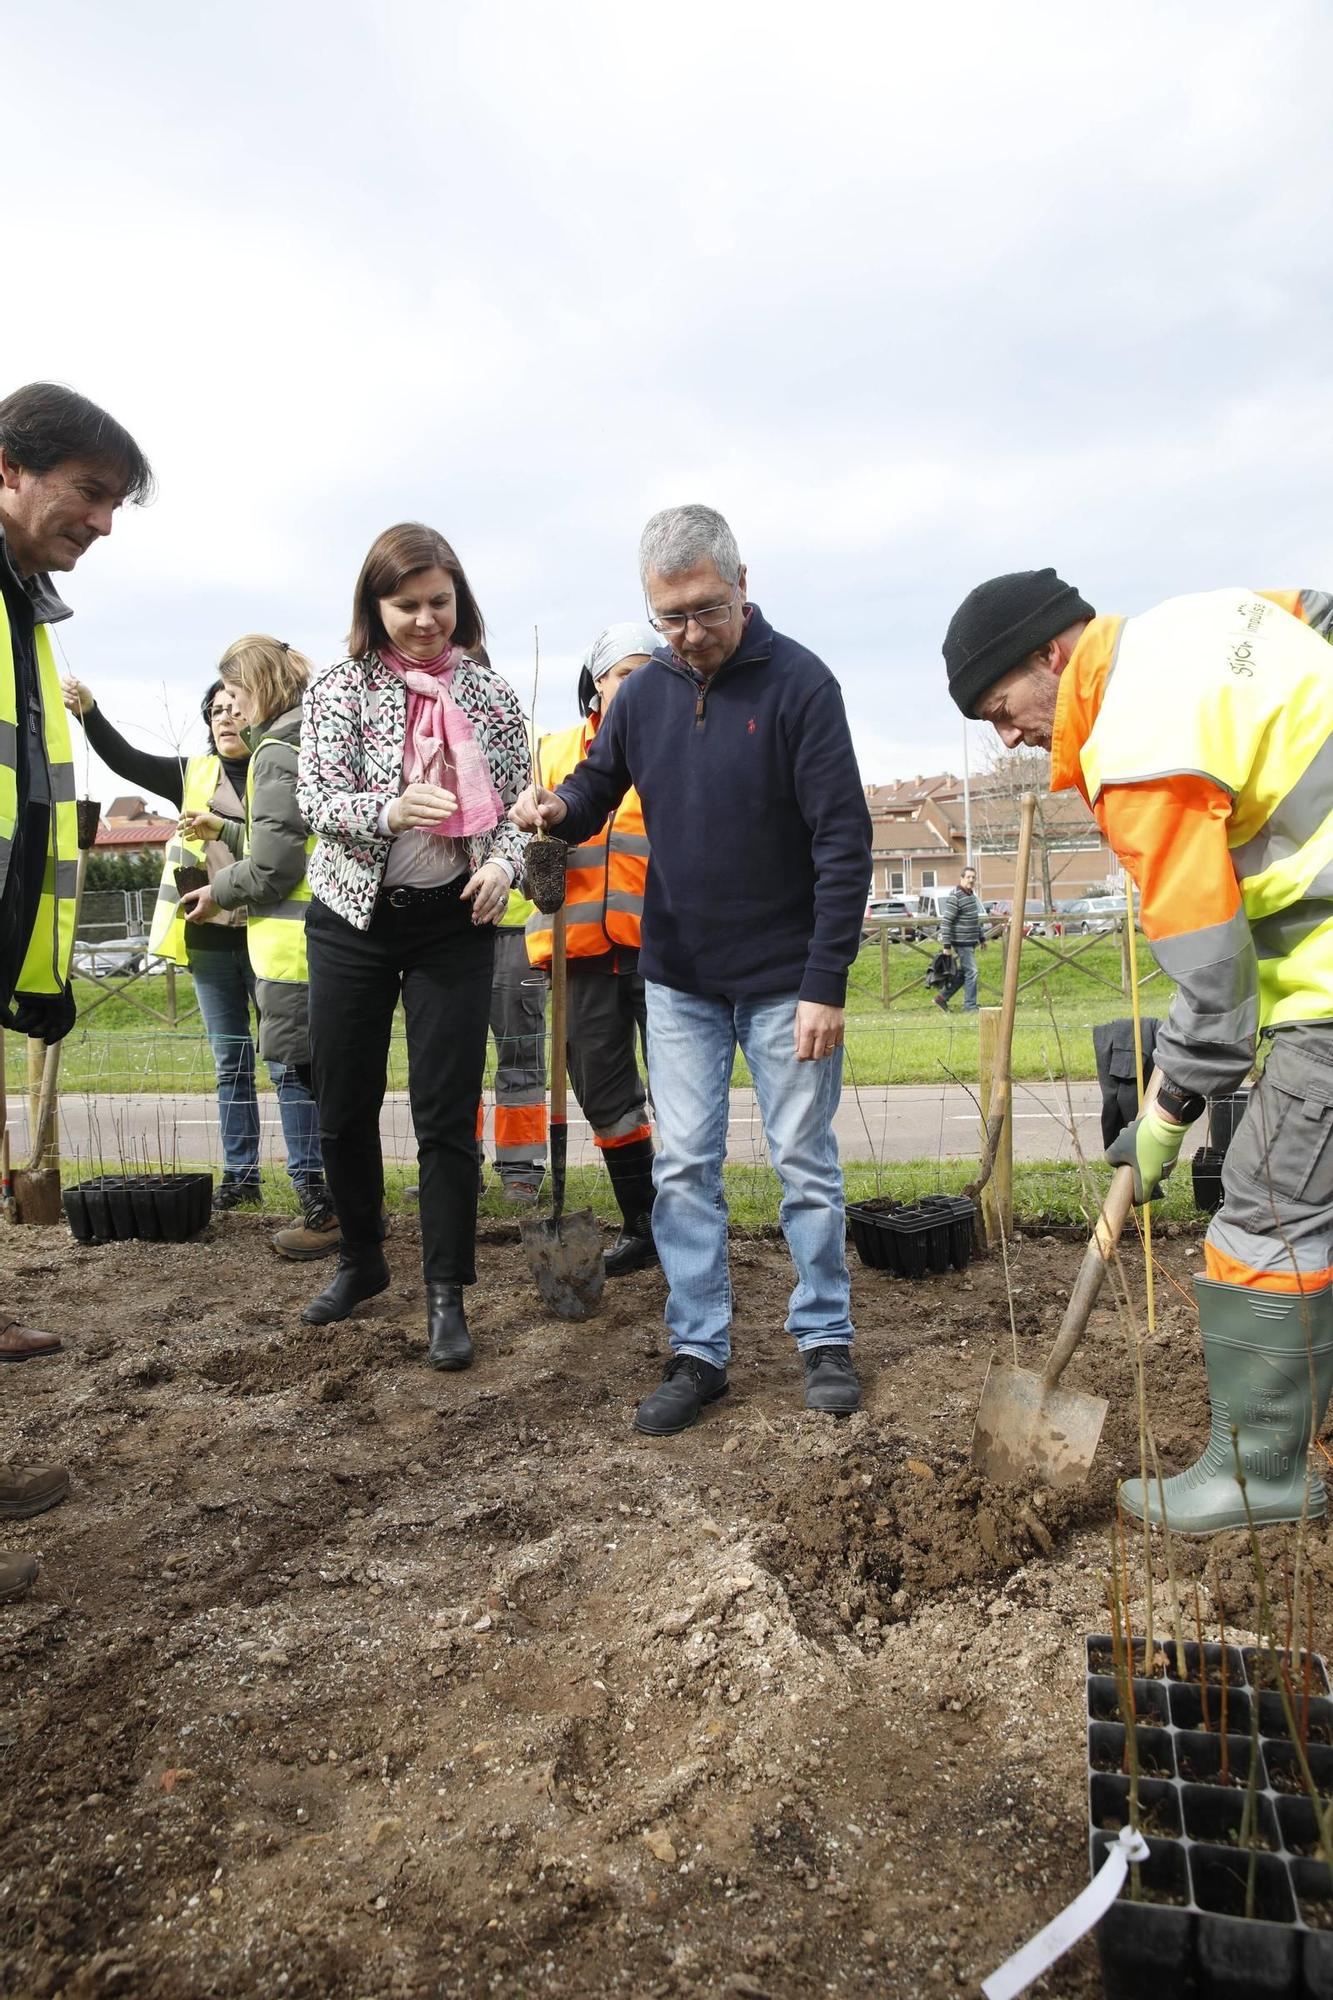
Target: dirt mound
x=347, y=1679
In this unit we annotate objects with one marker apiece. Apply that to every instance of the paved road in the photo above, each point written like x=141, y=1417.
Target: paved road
x=893, y=1122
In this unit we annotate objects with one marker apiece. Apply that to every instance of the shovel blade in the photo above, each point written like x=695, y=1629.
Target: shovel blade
x=564, y=1254
x=1025, y=1431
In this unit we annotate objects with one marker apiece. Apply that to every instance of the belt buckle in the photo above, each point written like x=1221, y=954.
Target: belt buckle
x=399, y=899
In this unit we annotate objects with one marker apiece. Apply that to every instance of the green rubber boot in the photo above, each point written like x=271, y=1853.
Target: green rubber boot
x=1257, y=1348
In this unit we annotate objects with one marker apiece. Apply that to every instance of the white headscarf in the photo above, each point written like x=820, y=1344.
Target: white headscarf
x=608, y=649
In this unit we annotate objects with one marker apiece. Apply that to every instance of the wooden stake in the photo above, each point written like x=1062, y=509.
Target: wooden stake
x=997, y=1196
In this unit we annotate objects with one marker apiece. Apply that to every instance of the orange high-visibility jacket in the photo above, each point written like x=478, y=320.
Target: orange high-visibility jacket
x=1201, y=734
x=605, y=876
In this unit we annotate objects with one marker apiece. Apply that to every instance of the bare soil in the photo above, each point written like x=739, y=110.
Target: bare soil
x=343, y=1678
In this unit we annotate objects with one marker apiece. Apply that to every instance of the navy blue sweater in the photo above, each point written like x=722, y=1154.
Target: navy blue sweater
x=756, y=819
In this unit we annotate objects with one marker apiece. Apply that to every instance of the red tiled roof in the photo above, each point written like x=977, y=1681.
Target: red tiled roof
x=136, y=833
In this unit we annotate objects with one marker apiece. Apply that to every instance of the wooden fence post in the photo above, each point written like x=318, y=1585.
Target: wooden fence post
x=997, y=1197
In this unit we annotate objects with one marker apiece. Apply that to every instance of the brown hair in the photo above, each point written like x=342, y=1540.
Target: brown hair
x=395, y=555
x=268, y=670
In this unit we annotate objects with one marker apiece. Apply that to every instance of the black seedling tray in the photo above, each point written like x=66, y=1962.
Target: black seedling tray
x=114, y=1208
x=1190, y=1936
x=913, y=1239
x=1224, y=1115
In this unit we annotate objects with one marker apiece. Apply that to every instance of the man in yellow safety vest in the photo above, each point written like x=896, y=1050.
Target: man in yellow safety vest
x=1201, y=735
x=65, y=467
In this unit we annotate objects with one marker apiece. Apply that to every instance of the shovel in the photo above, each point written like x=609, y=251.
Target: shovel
x=564, y=1252
x=1027, y=1426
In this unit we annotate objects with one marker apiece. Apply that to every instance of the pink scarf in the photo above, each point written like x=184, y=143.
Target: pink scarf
x=441, y=746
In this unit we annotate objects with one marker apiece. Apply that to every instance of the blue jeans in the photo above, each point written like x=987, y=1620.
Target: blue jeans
x=966, y=954
x=692, y=1042
x=224, y=986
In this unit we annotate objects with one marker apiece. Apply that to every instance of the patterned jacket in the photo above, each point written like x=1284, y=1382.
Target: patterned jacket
x=352, y=735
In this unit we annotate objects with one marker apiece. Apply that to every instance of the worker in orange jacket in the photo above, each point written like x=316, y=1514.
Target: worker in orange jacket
x=603, y=911
x=1200, y=732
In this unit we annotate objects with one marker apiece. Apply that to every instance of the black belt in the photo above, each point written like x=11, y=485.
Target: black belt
x=404, y=898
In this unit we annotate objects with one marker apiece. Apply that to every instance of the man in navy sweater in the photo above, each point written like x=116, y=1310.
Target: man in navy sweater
x=736, y=740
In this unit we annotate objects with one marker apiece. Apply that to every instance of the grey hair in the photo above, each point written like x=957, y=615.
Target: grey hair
x=679, y=537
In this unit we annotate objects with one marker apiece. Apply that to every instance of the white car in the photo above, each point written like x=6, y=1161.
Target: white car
x=110, y=958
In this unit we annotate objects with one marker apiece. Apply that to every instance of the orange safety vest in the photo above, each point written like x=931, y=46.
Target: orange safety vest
x=605, y=875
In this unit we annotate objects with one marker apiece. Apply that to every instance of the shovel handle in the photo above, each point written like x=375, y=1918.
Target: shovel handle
x=1092, y=1271
x=559, y=1039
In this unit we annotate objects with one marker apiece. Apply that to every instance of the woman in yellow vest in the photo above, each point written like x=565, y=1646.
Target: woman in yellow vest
x=265, y=680
x=215, y=953
x=603, y=911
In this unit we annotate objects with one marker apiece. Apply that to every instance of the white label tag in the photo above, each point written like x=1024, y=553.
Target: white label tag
x=1041, y=1952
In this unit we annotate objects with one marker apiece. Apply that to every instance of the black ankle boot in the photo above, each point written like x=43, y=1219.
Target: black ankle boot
x=634, y=1248
x=449, y=1344
x=354, y=1280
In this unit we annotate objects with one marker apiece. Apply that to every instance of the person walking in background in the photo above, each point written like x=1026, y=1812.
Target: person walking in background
x=65, y=468
x=1220, y=810
x=410, y=752
x=603, y=917
x=518, y=1028
x=962, y=932
x=208, y=788
x=264, y=680
x=736, y=740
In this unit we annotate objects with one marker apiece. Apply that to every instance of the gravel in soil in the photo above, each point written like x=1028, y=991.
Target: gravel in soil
x=343, y=1678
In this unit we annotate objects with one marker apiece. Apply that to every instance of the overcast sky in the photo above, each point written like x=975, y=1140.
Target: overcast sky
x=913, y=294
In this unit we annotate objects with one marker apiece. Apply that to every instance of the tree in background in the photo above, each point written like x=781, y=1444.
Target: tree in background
x=1062, y=826
x=124, y=871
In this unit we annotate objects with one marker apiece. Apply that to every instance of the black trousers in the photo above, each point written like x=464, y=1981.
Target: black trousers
x=605, y=1010
x=440, y=962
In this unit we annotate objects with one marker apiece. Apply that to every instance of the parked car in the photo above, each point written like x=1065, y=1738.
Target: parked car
x=893, y=913
x=1035, y=921
x=1095, y=913
x=110, y=958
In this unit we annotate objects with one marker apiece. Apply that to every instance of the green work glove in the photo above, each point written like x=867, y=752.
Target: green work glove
x=1151, y=1145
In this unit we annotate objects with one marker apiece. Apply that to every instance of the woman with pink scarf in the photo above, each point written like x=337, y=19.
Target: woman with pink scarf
x=412, y=751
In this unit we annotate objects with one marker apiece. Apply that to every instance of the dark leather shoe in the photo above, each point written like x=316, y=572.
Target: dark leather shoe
x=830, y=1380
x=17, y=1575
x=26, y=1490
x=633, y=1249
x=686, y=1385
x=352, y=1283
x=449, y=1344
x=21, y=1343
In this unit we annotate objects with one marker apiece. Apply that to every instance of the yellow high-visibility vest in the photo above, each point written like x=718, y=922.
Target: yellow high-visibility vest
x=46, y=960
x=277, y=930
x=517, y=910
x=1226, y=685
x=166, y=935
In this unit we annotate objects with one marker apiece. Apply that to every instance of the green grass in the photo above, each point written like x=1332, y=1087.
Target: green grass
x=120, y=1048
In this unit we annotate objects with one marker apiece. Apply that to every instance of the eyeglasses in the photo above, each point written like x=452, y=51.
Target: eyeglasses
x=673, y=623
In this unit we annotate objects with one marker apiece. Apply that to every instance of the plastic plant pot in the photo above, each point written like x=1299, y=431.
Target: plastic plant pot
x=1215, y=1817
x=1264, y=1666
x=1314, y=1906
x=1148, y=1946
x=875, y=1246
x=87, y=815
x=1106, y=1750
x=1224, y=1115
x=1206, y=1173
x=1100, y=1657
x=1189, y=1711
x=145, y=1208
x=74, y=1202
x=1199, y=1758
x=1212, y=1665
x=120, y=1207
x=1316, y=1716
x=1299, y=1826
x=98, y=1211
x=1159, y=1805
x=1240, y=1957
x=962, y=1215
x=1151, y=1701
x=1285, y=1774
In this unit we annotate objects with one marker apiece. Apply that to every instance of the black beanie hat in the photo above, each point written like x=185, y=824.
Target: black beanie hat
x=999, y=623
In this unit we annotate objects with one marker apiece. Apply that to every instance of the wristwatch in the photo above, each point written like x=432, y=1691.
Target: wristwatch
x=1184, y=1106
